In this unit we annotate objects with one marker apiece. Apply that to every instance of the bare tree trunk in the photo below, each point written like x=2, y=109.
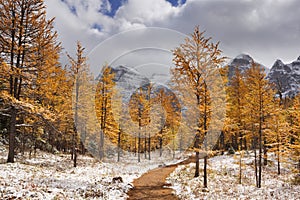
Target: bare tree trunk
x=145, y=146
x=255, y=161
x=12, y=134
x=139, y=142
x=101, y=146
x=119, y=144
x=196, y=145
x=149, y=146
x=278, y=156
x=75, y=157
x=205, y=171
x=160, y=145
x=240, y=167
x=260, y=158
x=265, y=152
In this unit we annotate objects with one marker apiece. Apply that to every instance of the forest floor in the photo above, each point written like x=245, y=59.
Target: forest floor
x=52, y=176
x=223, y=179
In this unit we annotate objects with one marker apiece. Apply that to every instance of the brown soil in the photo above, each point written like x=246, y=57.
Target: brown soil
x=152, y=184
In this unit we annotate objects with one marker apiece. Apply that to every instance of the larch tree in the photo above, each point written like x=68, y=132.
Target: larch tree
x=236, y=92
x=78, y=67
x=277, y=136
x=139, y=112
x=21, y=22
x=294, y=133
x=259, y=104
x=236, y=102
x=195, y=61
x=103, y=105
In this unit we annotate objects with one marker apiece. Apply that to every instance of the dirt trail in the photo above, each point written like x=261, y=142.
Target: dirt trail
x=152, y=184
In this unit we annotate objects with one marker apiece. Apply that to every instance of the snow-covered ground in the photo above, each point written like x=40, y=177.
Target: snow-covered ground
x=223, y=176
x=49, y=176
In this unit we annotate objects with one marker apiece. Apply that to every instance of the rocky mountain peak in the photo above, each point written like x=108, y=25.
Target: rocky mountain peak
x=242, y=62
x=286, y=77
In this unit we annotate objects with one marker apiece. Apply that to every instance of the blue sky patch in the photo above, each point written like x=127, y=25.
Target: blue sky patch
x=97, y=26
x=176, y=3
x=115, y=5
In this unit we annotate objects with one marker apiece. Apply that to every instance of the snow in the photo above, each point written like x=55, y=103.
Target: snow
x=244, y=57
x=49, y=176
x=223, y=173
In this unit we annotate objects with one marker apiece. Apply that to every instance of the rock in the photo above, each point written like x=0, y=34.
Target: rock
x=117, y=179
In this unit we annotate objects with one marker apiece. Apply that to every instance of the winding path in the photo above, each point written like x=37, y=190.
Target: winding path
x=152, y=185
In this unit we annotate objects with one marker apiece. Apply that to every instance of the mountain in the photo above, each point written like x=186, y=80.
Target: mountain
x=242, y=62
x=128, y=81
x=286, y=77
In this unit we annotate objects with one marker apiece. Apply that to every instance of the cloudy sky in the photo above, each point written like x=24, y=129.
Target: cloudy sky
x=267, y=30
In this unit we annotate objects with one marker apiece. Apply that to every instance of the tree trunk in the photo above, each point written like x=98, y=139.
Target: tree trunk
x=265, y=152
x=139, y=145
x=196, y=146
x=260, y=158
x=145, y=146
x=240, y=168
x=255, y=160
x=101, y=146
x=205, y=172
x=160, y=145
x=75, y=157
x=278, y=155
x=149, y=146
x=12, y=135
x=119, y=145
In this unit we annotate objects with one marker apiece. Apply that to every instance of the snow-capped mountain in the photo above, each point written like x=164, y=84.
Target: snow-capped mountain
x=128, y=81
x=286, y=77
x=242, y=62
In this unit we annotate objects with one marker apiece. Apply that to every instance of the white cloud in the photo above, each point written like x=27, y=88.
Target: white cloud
x=146, y=12
x=266, y=29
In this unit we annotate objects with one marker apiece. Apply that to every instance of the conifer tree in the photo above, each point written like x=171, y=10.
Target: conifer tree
x=21, y=23
x=259, y=104
x=195, y=61
x=103, y=97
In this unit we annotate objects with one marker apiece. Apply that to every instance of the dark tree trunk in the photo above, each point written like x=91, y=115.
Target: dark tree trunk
x=139, y=142
x=101, y=146
x=205, y=172
x=196, y=146
x=119, y=144
x=278, y=156
x=12, y=134
x=75, y=157
x=265, y=152
x=149, y=146
x=160, y=145
x=222, y=142
x=255, y=160
x=260, y=158
x=145, y=146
